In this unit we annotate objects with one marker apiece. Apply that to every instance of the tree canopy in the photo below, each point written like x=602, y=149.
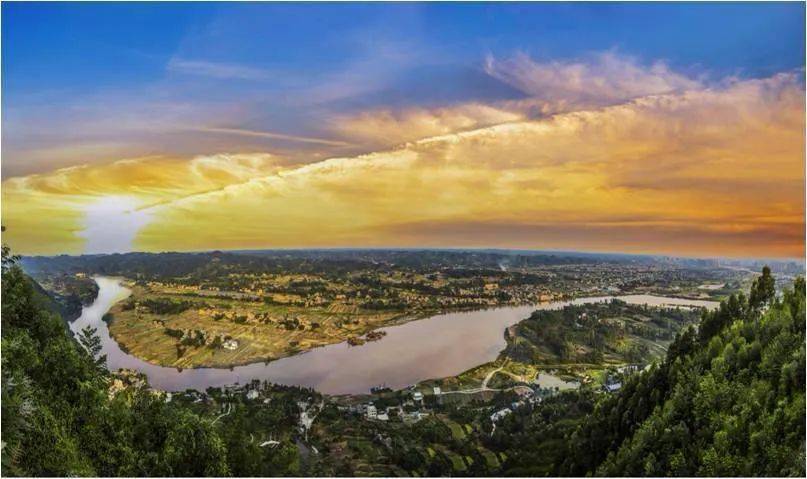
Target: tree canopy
x=60, y=420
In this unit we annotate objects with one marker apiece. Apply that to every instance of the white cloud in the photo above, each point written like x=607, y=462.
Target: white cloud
x=606, y=78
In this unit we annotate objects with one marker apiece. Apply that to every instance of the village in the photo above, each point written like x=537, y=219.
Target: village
x=407, y=406
x=327, y=431
x=235, y=309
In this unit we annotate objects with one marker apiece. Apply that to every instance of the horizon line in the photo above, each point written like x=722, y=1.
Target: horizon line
x=432, y=248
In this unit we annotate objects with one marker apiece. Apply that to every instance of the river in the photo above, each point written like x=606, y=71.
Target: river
x=438, y=346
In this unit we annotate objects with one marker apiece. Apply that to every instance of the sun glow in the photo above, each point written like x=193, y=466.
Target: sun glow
x=705, y=172
x=112, y=223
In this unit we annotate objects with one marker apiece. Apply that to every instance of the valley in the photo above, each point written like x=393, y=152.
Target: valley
x=507, y=389
x=220, y=310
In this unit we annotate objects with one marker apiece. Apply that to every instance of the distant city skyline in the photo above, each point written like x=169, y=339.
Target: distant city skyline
x=603, y=127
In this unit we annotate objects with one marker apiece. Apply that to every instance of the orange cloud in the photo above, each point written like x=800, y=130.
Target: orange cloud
x=386, y=127
x=703, y=171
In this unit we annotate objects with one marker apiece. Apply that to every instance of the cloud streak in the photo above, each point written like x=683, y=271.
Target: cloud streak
x=386, y=127
x=606, y=78
x=673, y=166
x=271, y=135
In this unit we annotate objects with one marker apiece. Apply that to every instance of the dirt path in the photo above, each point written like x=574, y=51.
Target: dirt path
x=482, y=390
x=489, y=377
x=486, y=381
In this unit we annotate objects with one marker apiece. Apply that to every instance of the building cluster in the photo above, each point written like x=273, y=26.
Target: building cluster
x=410, y=410
x=527, y=396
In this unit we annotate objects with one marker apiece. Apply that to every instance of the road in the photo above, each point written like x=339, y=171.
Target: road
x=486, y=381
x=490, y=376
x=229, y=410
x=482, y=390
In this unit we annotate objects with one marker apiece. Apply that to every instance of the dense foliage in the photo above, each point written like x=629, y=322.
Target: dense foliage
x=592, y=332
x=728, y=400
x=59, y=418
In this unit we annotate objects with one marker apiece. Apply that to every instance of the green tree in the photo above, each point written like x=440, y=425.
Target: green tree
x=92, y=343
x=763, y=291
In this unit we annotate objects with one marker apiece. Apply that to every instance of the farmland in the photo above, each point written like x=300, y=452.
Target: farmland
x=220, y=309
x=219, y=331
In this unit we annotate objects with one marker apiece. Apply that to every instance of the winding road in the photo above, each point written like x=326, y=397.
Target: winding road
x=485, y=388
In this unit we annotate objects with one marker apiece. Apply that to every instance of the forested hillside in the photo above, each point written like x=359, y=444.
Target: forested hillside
x=60, y=418
x=728, y=400
x=612, y=331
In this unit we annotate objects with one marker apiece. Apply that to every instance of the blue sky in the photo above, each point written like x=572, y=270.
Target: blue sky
x=624, y=127
x=86, y=46
x=70, y=69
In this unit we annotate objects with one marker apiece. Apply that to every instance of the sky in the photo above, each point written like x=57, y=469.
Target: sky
x=621, y=127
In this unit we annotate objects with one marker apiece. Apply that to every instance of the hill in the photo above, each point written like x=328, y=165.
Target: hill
x=64, y=414
x=728, y=400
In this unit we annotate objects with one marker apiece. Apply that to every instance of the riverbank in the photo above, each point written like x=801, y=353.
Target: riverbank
x=579, y=344
x=144, y=336
x=219, y=331
x=409, y=354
